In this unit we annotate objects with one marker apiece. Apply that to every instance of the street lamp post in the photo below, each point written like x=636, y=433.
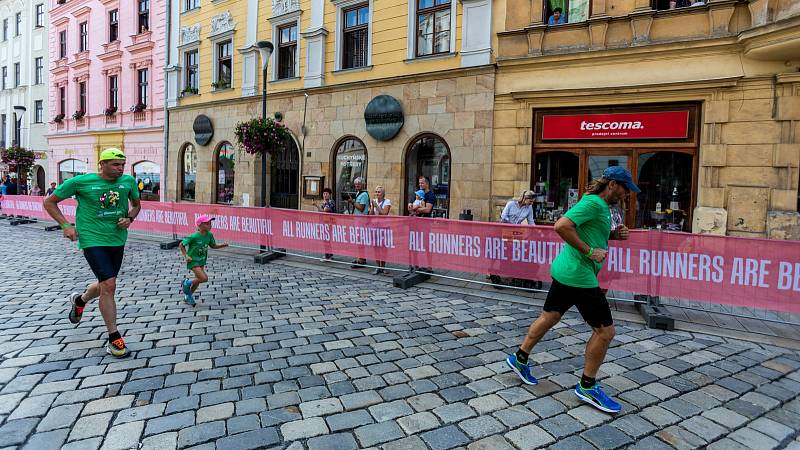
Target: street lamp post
x=19, y=111
x=265, y=49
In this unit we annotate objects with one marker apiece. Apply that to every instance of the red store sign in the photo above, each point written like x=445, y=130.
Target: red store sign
x=644, y=125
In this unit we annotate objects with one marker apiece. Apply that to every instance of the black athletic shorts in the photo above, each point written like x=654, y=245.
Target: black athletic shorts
x=104, y=261
x=591, y=303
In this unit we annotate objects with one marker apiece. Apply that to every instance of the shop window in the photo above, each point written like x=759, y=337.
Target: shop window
x=559, y=12
x=433, y=26
x=665, y=179
x=675, y=4
x=556, y=186
x=350, y=162
x=226, y=158
x=70, y=168
x=287, y=51
x=429, y=156
x=148, y=180
x=188, y=173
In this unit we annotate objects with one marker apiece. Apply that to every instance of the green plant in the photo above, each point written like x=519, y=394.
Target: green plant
x=259, y=136
x=190, y=90
x=221, y=84
x=19, y=159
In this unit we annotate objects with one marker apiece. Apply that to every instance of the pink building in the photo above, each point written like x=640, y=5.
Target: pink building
x=107, y=86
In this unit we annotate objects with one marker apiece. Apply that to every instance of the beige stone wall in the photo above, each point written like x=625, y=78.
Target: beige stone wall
x=457, y=106
x=749, y=150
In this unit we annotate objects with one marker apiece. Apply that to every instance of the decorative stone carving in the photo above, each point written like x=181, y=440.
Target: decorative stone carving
x=222, y=23
x=190, y=34
x=281, y=7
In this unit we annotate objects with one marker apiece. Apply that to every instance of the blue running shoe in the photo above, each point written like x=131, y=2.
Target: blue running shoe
x=597, y=398
x=187, y=286
x=523, y=371
x=189, y=299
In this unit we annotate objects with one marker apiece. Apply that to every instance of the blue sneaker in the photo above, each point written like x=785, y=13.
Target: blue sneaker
x=523, y=371
x=189, y=299
x=187, y=286
x=597, y=398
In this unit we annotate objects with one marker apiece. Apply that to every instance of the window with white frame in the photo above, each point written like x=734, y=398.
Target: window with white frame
x=82, y=97
x=113, y=25
x=431, y=27
x=287, y=51
x=5, y=77
x=17, y=75
x=224, y=64
x=113, y=93
x=189, y=5
x=18, y=26
x=191, y=81
x=144, y=15
x=83, y=35
x=353, y=34
x=142, y=81
x=39, y=74
x=40, y=15
x=5, y=29
x=62, y=101
x=38, y=111
x=62, y=44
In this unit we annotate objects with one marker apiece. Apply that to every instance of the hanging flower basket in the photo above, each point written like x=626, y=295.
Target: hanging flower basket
x=258, y=136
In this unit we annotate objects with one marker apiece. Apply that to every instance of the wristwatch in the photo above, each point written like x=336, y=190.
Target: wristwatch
x=129, y=218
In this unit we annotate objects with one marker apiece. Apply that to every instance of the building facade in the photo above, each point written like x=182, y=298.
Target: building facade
x=700, y=100
x=387, y=91
x=107, y=87
x=24, y=79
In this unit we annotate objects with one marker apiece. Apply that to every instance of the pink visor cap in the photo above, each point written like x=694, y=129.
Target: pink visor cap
x=203, y=219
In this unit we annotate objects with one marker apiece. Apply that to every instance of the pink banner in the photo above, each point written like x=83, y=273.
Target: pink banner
x=756, y=273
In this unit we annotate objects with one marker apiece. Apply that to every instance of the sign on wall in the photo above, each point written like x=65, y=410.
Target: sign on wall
x=384, y=117
x=643, y=125
x=203, y=130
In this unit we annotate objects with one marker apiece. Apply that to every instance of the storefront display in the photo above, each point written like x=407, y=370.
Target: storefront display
x=350, y=161
x=657, y=143
x=429, y=156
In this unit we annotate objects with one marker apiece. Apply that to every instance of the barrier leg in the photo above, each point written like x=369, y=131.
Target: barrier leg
x=655, y=316
x=409, y=279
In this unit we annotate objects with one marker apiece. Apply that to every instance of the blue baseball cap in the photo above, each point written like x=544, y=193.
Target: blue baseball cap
x=621, y=175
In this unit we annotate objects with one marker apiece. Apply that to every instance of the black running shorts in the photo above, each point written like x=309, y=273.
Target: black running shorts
x=104, y=261
x=591, y=303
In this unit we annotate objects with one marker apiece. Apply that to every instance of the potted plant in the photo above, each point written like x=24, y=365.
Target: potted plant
x=110, y=111
x=139, y=107
x=221, y=84
x=78, y=114
x=189, y=90
x=259, y=136
x=58, y=119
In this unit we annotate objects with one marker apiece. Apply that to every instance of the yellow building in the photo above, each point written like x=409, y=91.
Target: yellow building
x=424, y=67
x=700, y=100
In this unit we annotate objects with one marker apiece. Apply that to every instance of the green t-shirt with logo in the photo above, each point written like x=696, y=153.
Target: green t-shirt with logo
x=197, y=247
x=592, y=218
x=101, y=203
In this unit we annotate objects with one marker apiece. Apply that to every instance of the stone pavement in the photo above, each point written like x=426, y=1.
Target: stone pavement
x=285, y=357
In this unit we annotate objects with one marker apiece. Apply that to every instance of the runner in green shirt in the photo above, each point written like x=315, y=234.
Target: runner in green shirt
x=586, y=228
x=101, y=229
x=194, y=249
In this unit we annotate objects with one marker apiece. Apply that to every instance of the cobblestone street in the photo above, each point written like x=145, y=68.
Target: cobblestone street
x=283, y=357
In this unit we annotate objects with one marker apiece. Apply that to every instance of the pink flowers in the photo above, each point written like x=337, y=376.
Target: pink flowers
x=258, y=136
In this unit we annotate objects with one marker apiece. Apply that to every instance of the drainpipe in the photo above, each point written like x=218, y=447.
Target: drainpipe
x=165, y=166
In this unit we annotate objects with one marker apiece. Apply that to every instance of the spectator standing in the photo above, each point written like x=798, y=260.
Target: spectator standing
x=360, y=208
x=515, y=212
x=425, y=210
x=380, y=206
x=51, y=189
x=327, y=206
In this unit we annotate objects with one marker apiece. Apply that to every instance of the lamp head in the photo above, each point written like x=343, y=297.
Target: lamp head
x=265, y=49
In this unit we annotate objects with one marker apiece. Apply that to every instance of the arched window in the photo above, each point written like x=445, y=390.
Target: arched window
x=148, y=179
x=225, y=173
x=350, y=162
x=429, y=156
x=188, y=172
x=285, y=176
x=70, y=168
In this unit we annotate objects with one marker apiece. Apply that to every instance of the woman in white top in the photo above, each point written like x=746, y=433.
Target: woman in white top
x=380, y=206
x=517, y=211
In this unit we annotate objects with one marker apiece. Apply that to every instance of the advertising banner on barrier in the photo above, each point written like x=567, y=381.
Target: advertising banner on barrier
x=756, y=273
